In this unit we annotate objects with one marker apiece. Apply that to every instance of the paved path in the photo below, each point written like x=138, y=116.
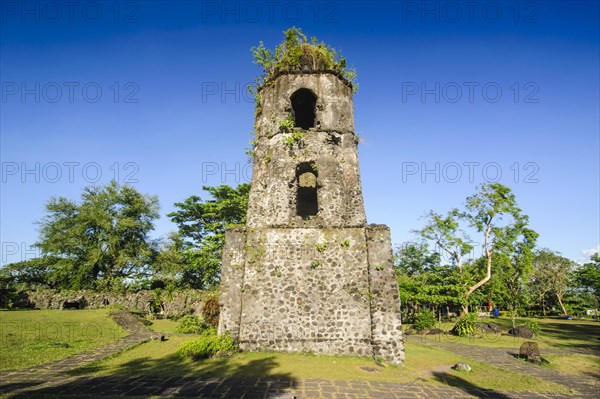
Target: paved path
x=181, y=387
x=52, y=379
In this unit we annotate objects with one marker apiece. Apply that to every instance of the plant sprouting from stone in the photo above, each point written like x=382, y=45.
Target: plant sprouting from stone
x=293, y=139
x=321, y=246
x=315, y=263
x=251, y=151
x=295, y=51
x=287, y=125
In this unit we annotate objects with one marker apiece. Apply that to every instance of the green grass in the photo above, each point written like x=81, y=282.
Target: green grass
x=163, y=325
x=575, y=364
x=424, y=365
x=556, y=333
x=32, y=337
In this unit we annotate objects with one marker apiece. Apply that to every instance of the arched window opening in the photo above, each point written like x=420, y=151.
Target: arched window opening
x=304, y=102
x=306, y=199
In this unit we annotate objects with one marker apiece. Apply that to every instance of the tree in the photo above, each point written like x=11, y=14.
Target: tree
x=202, y=230
x=422, y=281
x=485, y=211
x=445, y=232
x=414, y=258
x=509, y=286
x=171, y=261
x=32, y=274
x=492, y=212
x=552, y=273
x=587, y=277
x=100, y=241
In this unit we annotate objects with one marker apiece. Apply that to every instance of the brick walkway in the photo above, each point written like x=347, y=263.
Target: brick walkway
x=51, y=379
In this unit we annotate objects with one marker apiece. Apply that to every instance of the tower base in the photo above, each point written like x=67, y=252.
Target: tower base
x=320, y=290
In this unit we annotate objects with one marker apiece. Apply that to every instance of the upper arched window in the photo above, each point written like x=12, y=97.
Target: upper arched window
x=304, y=102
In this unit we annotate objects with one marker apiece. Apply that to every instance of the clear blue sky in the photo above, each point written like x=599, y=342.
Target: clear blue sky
x=451, y=94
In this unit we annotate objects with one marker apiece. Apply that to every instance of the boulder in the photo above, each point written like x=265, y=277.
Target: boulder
x=530, y=351
x=522, y=332
x=461, y=366
x=489, y=328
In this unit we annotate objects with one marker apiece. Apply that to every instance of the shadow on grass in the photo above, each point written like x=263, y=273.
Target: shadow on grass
x=6, y=388
x=467, y=387
x=146, y=377
x=568, y=331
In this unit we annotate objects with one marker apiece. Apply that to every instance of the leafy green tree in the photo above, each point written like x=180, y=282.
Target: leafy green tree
x=422, y=281
x=587, y=277
x=202, y=231
x=509, y=287
x=32, y=274
x=171, y=261
x=414, y=258
x=492, y=212
x=552, y=273
x=100, y=241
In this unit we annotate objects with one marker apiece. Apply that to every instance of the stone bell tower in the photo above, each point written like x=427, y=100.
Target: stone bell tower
x=307, y=273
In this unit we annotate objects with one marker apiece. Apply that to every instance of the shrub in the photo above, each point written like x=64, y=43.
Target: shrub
x=533, y=326
x=424, y=320
x=191, y=324
x=211, y=309
x=210, y=344
x=466, y=325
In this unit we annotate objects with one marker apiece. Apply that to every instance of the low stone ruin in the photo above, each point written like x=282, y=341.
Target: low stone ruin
x=530, y=351
x=522, y=332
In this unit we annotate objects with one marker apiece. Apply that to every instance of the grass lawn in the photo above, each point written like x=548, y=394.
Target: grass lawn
x=575, y=364
x=424, y=365
x=163, y=325
x=32, y=337
x=556, y=333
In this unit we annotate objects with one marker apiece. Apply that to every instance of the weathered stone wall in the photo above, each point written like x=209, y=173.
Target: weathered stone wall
x=329, y=290
x=334, y=110
x=307, y=273
x=331, y=146
x=176, y=304
x=386, y=326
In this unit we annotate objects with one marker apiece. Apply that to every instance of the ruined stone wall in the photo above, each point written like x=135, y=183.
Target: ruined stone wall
x=329, y=290
x=178, y=303
x=331, y=146
x=273, y=197
x=334, y=110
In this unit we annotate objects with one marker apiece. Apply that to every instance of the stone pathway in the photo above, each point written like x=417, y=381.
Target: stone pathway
x=52, y=379
x=185, y=387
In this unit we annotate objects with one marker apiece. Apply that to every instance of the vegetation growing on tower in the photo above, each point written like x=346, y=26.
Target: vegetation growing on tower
x=296, y=53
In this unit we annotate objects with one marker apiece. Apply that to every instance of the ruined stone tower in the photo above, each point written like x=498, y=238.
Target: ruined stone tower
x=307, y=273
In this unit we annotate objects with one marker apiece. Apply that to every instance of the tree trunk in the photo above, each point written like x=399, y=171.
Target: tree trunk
x=488, y=252
x=544, y=305
x=465, y=310
x=559, y=297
